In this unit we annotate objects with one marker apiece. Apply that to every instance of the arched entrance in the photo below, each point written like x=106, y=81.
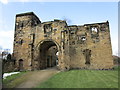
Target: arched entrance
x=48, y=54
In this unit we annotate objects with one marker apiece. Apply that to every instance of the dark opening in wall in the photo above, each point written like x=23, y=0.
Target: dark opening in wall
x=47, y=28
x=47, y=54
x=103, y=28
x=94, y=29
x=21, y=42
x=54, y=31
x=73, y=42
x=20, y=65
x=20, y=25
x=81, y=39
x=66, y=68
x=94, y=32
x=72, y=32
x=14, y=62
x=87, y=54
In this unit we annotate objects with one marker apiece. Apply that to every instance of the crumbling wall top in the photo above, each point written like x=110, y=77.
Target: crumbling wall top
x=23, y=14
x=97, y=23
x=28, y=13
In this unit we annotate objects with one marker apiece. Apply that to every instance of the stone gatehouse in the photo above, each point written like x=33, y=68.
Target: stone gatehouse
x=39, y=45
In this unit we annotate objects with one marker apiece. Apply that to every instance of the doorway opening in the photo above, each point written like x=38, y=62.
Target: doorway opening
x=20, y=65
x=48, y=55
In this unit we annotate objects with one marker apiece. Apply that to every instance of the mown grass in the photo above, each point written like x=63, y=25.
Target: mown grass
x=83, y=79
x=116, y=67
x=12, y=81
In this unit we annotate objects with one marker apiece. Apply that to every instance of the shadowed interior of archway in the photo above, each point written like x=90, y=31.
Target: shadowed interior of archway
x=48, y=57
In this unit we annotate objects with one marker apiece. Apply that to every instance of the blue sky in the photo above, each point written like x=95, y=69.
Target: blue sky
x=78, y=13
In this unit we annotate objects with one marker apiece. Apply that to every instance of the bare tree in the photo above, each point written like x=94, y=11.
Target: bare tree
x=67, y=20
x=5, y=53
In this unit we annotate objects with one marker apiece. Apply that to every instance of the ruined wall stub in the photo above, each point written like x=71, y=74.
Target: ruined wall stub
x=86, y=46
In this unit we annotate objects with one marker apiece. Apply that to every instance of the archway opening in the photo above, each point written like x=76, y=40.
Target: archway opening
x=48, y=53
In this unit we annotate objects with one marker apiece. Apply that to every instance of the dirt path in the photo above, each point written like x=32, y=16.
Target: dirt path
x=36, y=77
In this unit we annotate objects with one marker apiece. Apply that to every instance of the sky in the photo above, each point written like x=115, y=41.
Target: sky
x=77, y=13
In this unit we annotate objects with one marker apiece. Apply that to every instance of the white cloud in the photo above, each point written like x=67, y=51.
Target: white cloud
x=6, y=39
x=5, y=34
x=4, y=1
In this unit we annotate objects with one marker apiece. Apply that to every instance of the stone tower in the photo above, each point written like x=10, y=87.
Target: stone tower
x=41, y=45
x=23, y=39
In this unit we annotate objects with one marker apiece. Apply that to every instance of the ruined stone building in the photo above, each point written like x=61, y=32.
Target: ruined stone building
x=39, y=45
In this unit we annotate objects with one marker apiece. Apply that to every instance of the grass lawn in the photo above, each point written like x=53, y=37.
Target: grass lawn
x=83, y=79
x=11, y=81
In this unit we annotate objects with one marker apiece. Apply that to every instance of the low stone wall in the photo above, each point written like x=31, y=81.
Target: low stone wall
x=9, y=66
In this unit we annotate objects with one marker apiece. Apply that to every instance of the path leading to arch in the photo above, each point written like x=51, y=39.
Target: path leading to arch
x=34, y=78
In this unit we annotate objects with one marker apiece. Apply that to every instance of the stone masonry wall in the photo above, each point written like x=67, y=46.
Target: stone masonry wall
x=86, y=46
